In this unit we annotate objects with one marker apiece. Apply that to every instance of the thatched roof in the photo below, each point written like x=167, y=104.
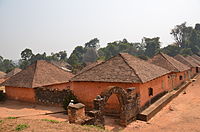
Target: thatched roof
x=168, y=63
x=122, y=68
x=13, y=72
x=185, y=61
x=41, y=73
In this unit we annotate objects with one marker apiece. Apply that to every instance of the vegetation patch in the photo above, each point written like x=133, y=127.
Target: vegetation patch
x=70, y=96
x=2, y=96
x=11, y=117
x=53, y=121
x=21, y=127
x=1, y=121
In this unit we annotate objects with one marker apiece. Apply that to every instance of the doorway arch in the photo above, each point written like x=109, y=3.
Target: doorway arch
x=128, y=100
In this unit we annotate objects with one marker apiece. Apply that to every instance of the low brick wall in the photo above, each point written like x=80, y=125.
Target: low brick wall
x=50, y=96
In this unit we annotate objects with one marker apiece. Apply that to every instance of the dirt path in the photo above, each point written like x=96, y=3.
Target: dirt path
x=181, y=115
x=30, y=111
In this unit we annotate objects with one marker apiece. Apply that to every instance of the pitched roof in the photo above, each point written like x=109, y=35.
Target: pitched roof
x=185, y=61
x=41, y=73
x=168, y=63
x=122, y=68
x=193, y=60
x=2, y=74
x=90, y=66
x=62, y=64
x=13, y=72
x=196, y=57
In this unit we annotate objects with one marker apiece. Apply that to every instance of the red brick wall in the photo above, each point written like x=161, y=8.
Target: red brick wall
x=87, y=91
x=194, y=71
x=158, y=85
x=177, y=81
x=21, y=94
x=60, y=86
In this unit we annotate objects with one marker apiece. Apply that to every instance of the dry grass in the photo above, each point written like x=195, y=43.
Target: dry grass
x=37, y=125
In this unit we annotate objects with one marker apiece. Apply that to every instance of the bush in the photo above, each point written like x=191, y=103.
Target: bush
x=70, y=96
x=52, y=121
x=21, y=127
x=2, y=96
x=11, y=117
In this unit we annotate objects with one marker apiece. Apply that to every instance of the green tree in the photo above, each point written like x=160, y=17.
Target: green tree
x=26, y=54
x=152, y=46
x=94, y=43
x=90, y=55
x=7, y=65
x=171, y=50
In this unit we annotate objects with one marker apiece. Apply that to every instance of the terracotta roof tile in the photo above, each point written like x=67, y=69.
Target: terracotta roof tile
x=185, y=61
x=193, y=60
x=122, y=68
x=196, y=57
x=13, y=72
x=39, y=74
x=90, y=66
x=168, y=63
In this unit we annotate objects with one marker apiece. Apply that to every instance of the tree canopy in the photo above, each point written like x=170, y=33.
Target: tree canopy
x=186, y=42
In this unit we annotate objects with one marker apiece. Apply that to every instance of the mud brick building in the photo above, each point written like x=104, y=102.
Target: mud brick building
x=40, y=74
x=194, y=68
x=122, y=71
x=179, y=71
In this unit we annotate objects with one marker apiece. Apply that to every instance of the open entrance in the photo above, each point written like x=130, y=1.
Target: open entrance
x=113, y=106
x=128, y=104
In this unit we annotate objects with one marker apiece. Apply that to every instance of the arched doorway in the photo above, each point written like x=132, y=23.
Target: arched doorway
x=128, y=100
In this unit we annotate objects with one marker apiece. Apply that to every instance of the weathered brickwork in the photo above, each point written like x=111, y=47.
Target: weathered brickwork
x=50, y=96
x=129, y=105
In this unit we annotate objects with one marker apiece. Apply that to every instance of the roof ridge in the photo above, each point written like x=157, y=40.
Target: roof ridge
x=130, y=66
x=35, y=67
x=90, y=68
x=57, y=66
x=186, y=60
x=169, y=61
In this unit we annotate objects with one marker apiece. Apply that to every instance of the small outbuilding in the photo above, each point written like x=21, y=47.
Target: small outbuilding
x=40, y=74
x=123, y=71
x=179, y=71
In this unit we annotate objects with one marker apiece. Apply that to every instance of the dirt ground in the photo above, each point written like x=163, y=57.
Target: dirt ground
x=30, y=111
x=181, y=115
x=36, y=125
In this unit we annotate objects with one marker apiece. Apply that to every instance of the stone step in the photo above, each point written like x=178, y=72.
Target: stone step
x=148, y=113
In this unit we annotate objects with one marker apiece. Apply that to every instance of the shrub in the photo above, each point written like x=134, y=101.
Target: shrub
x=21, y=127
x=70, y=96
x=11, y=117
x=53, y=121
x=2, y=96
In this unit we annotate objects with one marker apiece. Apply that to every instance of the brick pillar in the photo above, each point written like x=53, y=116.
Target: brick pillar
x=76, y=112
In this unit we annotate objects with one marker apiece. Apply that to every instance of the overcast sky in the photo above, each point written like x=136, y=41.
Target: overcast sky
x=55, y=25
